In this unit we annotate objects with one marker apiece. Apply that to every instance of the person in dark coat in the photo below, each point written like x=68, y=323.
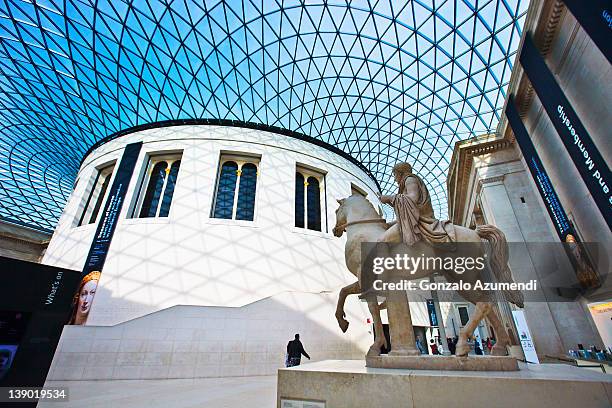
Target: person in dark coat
x=451, y=345
x=295, y=350
x=477, y=348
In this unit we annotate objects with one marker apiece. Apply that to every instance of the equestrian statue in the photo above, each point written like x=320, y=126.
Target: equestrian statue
x=416, y=224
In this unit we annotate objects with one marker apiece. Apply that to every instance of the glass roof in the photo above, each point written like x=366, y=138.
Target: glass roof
x=383, y=81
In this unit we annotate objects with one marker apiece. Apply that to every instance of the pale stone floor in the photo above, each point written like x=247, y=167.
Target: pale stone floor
x=227, y=392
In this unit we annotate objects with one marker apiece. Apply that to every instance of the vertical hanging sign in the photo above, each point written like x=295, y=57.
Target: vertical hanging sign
x=587, y=278
x=585, y=155
x=431, y=311
x=553, y=205
x=104, y=234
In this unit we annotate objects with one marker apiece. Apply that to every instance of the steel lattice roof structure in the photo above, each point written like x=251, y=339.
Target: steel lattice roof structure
x=381, y=80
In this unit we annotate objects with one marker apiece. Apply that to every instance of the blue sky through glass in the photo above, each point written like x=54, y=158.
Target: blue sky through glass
x=382, y=80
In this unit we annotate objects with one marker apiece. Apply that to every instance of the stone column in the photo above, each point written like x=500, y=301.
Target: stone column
x=497, y=210
x=403, y=342
x=488, y=177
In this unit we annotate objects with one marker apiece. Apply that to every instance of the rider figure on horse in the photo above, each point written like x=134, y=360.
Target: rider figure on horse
x=413, y=211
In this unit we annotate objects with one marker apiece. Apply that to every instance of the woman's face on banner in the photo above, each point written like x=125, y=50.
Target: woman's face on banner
x=86, y=296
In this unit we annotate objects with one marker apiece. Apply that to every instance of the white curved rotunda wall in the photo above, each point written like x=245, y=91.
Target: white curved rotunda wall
x=190, y=258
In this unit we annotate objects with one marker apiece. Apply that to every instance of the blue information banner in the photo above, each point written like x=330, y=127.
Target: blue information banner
x=551, y=200
x=588, y=279
x=586, y=157
x=104, y=234
x=112, y=208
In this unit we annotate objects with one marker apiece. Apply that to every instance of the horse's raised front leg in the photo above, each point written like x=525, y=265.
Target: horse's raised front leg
x=351, y=289
x=480, y=311
x=379, y=333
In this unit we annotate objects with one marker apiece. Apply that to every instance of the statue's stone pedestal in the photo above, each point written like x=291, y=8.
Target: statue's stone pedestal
x=349, y=384
x=452, y=363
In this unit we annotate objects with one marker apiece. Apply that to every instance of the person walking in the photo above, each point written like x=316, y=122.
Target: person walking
x=451, y=345
x=477, y=348
x=295, y=350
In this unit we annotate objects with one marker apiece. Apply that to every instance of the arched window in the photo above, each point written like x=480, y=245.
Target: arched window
x=169, y=191
x=102, y=194
x=154, y=190
x=309, y=192
x=97, y=195
x=160, y=182
x=299, y=200
x=313, y=194
x=236, y=189
x=224, y=204
x=245, y=208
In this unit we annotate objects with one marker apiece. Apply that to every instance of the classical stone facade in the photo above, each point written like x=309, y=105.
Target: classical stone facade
x=20, y=242
x=489, y=183
x=585, y=76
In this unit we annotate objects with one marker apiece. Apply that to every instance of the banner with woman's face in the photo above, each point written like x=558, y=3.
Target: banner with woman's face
x=84, y=297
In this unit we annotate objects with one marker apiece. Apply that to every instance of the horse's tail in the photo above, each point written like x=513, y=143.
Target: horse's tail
x=499, y=260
